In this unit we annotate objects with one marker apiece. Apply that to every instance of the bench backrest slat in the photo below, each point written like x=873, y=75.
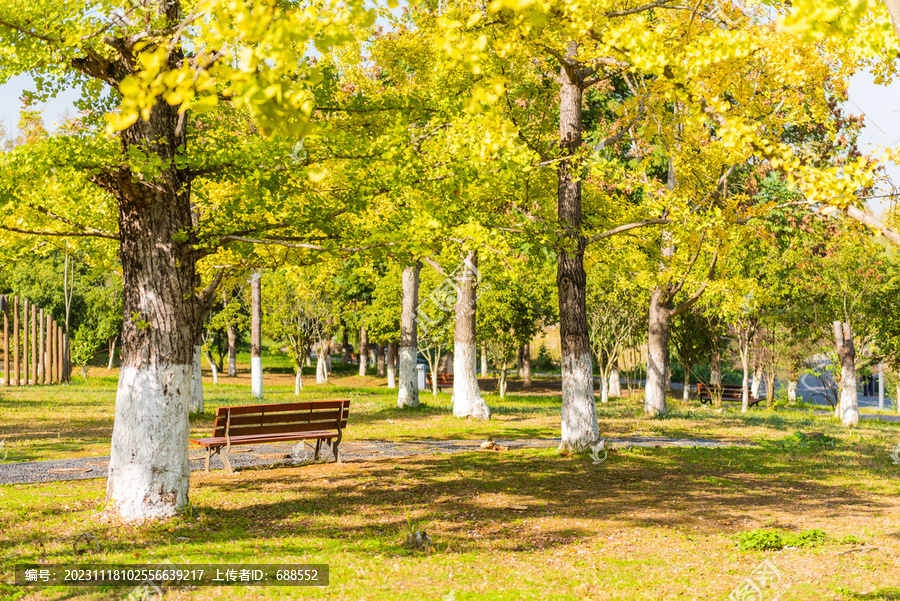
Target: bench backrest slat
x=285, y=417
x=283, y=407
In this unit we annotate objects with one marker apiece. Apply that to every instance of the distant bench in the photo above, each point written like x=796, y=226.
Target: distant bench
x=281, y=422
x=443, y=380
x=730, y=392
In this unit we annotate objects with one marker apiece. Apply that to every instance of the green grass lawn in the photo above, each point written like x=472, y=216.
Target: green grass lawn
x=649, y=523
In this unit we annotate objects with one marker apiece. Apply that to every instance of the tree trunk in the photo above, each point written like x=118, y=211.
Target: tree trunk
x=379, y=360
x=715, y=368
x=363, y=351
x=686, y=394
x=112, y=353
x=392, y=365
x=745, y=367
x=197, y=380
x=467, y=400
x=408, y=394
x=615, y=383
x=792, y=392
x=502, y=382
x=214, y=368
x=232, y=352
x=321, y=366
x=256, y=373
x=526, y=366
x=757, y=379
x=657, y=355
x=579, y=427
x=298, y=378
x=843, y=338
x=484, y=361
x=345, y=347
x=770, y=390
x=604, y=389
x=329, y=346
x=520, y=360
x=149, y=473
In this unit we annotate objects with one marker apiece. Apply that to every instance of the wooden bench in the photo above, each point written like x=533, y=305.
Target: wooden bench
x=730, y=392
x=443, y=380
x=282, y=422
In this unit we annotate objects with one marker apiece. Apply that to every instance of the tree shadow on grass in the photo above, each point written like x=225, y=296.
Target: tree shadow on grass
x=883, y=594
x=494, y=492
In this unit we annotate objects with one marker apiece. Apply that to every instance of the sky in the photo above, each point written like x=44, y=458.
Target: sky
x=878, y=103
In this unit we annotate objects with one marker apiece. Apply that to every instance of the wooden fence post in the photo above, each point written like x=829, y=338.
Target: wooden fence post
x=34, y=351
x=50, y=359
x=4, y=306
x=16, y=365
x=42, y=350
x=60, y=357
x=25, y=364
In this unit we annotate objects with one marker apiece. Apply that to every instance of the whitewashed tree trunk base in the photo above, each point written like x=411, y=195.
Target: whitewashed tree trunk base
x=615, y=383
x=149, y=470
x=298, y=382
x=467, y=399
x=408, y=393
x=579, y=412
x=256, y=377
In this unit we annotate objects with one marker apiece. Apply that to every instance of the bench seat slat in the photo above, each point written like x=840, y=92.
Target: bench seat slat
x=220, y=441
x=278, y=428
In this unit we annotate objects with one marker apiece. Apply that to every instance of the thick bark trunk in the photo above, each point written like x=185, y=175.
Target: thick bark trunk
x=149, y=471
x=363, y=351
x=392, y=365
x=256, y=374
x=615, y=382
x=843, y=338
x=408, y=394
x=379, y=361
x=467, y=399
x=232, y=352
x=579, y=427
x=197, y=380
x=657, y=354
x=526, y=366
x=484, y=361
x=112, y=353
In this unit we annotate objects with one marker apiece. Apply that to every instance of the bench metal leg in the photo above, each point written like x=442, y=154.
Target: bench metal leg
x=334, y=449
x=318, y=447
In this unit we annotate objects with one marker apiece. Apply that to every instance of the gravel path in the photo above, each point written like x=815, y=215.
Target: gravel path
x=85, y=468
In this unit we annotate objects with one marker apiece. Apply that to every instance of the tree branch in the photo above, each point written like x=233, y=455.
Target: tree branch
x=625, y=228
